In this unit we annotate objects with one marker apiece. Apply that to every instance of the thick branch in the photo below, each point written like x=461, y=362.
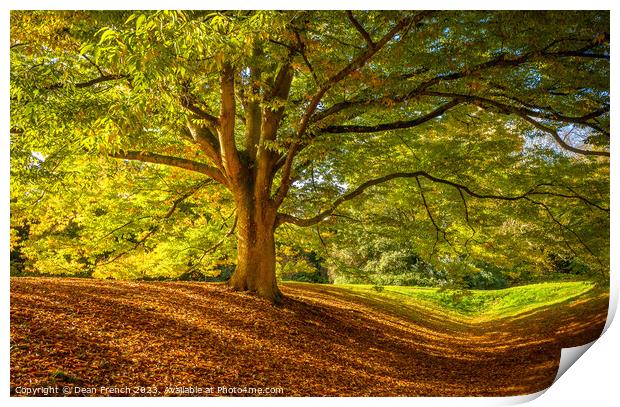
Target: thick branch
x=80, y=85
x=206, y=141
x=252, y=112
x=360, y=29
x=226, y=130
x=272, y=116
x=401, y=124
x=189, y=102
x=278, y=96
x=533, y=110
x=172, y=161
x=458, y=98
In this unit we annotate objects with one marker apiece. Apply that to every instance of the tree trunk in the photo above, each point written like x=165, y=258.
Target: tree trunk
x=256, y=252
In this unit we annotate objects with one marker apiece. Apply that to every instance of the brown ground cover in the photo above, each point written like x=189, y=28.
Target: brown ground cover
x=322, y=341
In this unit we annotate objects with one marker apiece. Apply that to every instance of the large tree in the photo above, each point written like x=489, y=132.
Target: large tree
x=269, y=104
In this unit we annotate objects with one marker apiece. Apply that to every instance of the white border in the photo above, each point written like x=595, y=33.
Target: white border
x=592, y=381
x=314, y=5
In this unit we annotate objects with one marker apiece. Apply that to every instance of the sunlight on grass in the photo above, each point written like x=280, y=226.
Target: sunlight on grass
x=475, y=305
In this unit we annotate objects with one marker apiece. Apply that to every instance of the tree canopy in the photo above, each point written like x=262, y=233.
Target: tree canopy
x=141, y=141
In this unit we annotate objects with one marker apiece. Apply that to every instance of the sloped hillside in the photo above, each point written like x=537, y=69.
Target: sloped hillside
x=323, y=340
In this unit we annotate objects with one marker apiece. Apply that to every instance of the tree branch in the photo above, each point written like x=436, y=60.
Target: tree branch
x=360, y=29
x=211, y=249
x=559, y=139
x=188, y=101
x=574, y=196
x=402, y=124
x=286, y=218
x=90, y=61
x=578, y=54
x=226, y=130
x=81, y=85
x=172, y=161
x=473, y=231
x=267, y=158
x=532, y=110
x=562, y=227
x=302, y=50
x=206, y=141
x=430, y=216
x=485, y=103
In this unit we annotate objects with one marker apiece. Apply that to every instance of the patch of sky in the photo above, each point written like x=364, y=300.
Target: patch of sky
x=533, y=79
x=37, y=159
x=245, y=75
x=573, y=135
x=39, y=156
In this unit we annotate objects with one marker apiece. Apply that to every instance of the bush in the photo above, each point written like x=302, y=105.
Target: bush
x=383, y=262
x=490, y=278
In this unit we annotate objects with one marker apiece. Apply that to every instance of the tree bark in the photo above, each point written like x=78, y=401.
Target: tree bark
x=256, y=252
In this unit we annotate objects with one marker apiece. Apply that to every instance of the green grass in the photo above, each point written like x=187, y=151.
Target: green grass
x=475, y=305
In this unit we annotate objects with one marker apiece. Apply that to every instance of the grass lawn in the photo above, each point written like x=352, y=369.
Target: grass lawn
x=476, y=305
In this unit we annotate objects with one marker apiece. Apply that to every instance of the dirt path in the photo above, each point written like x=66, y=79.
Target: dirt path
x=320, y=341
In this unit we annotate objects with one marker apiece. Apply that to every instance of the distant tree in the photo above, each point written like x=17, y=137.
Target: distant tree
x=274, y=107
